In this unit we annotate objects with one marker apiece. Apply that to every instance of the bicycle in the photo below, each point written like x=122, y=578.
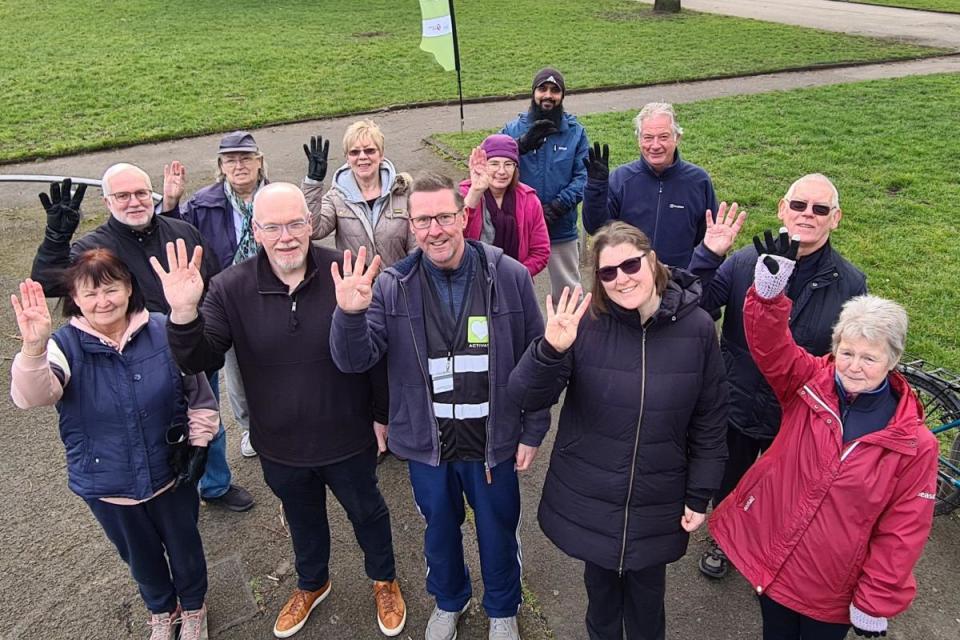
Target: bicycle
x=939, y=393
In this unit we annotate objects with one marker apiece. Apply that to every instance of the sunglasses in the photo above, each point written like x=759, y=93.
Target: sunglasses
x=801, y=205
x=629, y=266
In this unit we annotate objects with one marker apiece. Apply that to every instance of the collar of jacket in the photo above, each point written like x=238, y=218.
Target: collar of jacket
x=125, y=229
x=406, y=270
x=136, y=322
x=269, y=283
x=900, y=434
x=669, y=171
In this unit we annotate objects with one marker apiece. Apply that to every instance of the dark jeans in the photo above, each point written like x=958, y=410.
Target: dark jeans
x=303, y=492
x=160, y=542
x=742, y=452
x=630, y=604
x=781, y=623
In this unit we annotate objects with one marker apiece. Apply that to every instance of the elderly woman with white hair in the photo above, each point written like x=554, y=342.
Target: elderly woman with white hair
x=829, y=523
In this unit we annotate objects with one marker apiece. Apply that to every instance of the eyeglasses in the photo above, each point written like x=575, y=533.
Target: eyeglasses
x=273, y=231
x=819, y=209
x=443, y=219
x=508, y=165
x=629, y=266
x=367, y=151
x=238, y=160
x=123, y=197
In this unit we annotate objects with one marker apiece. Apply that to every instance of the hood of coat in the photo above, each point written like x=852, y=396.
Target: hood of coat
x=344, y=181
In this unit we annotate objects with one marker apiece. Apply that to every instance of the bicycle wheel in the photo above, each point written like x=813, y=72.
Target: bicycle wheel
x=941, y=405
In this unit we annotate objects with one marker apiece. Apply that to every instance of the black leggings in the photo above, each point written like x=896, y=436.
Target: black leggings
x=781, y=623
x=628, y=606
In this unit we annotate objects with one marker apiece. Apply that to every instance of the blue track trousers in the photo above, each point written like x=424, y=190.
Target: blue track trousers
x=439, y=492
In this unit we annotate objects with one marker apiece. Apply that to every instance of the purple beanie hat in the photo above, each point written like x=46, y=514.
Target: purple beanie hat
x=501, y=146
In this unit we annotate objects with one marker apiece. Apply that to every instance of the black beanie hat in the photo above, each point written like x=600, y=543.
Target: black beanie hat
x=549, y=74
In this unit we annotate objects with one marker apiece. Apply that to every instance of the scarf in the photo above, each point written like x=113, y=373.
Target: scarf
x=504, y=219
x=246, y=246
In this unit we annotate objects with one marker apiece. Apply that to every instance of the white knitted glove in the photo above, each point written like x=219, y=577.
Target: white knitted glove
x=866, y=625
x=771, y=275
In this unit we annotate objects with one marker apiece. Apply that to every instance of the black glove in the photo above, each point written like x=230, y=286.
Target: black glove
x=869, y=634
x=188, y=462
x=536, y=135
x=63, y=211
x=783, y=246
x=553, y=211
x=317, y=158
x=598, y=165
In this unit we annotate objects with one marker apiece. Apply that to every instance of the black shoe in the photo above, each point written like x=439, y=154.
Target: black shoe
x=236, y=499
x=714, y=563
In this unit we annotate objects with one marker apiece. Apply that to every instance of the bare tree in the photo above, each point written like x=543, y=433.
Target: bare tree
x=669, y=6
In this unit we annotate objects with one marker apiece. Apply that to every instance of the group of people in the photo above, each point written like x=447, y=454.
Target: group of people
x=421, y=333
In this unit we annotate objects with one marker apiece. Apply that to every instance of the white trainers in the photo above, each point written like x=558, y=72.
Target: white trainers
x=193, y=624
x=246, y=449
x=504, y=629
x=163, y=626
x=442, y=625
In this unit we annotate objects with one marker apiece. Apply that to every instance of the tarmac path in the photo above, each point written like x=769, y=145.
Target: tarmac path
x=60, y=579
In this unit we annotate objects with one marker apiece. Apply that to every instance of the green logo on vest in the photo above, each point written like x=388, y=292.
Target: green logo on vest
x=477, y=330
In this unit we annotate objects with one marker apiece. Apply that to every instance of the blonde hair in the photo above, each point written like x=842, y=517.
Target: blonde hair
x=360, y=130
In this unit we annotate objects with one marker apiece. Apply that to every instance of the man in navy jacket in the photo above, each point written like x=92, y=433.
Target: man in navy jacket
x=452, y=320
x=821, y=283
x=660, y=194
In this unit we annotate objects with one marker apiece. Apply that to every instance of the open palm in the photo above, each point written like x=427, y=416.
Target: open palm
x=355, y=288
x=722, y=232
x=479, y=179
x=183, y=283
x=562, y=322
x=33, y=317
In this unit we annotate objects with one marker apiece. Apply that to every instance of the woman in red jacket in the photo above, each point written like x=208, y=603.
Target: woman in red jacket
x=829, y=523
x=501, y=210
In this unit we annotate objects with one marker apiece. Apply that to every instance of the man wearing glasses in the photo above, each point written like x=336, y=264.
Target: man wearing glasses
x=452, y=320
x=311, y=424
x=661, y=194
x=822, y=282
x=134, y=234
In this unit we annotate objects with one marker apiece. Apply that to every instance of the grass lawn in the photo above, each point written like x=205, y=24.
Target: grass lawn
x=951, y=6
x=896, y=173
x=81, y=76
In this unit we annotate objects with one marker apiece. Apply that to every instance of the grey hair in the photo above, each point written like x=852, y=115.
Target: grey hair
x=811, y=177
x=431, y=182
x=120, y=167
x=873, y=319
x=653, y=109
x=261, y=173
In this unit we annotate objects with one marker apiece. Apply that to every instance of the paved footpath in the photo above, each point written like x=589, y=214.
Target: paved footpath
x=695, y=607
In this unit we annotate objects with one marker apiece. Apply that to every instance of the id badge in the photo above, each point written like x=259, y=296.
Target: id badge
x=443, y=381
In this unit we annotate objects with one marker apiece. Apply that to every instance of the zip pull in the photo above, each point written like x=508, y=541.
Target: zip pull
x=293, y=306
x=486, y=470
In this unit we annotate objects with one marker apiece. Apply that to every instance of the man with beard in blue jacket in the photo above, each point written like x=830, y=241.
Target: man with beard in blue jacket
x=553, y=148
x=660, y=194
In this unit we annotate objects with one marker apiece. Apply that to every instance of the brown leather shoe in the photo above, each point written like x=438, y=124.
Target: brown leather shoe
x=391, y=609
x=295, y=613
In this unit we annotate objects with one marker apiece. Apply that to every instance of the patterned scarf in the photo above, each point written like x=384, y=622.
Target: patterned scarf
x=246, y=246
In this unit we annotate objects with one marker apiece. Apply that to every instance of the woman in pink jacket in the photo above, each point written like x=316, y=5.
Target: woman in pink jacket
x=501, y=210
x=828, y=524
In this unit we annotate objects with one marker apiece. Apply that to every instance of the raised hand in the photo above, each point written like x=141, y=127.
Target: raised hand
x=355, y=288
x=479, y=179
x=562, y=323
x=183, y=284
x=598, y=164
x=775, y=263
x=721, y=234
x=536, y=135
x=33, y=317
x=63, y=210
x=174, y=184
x=317, y=153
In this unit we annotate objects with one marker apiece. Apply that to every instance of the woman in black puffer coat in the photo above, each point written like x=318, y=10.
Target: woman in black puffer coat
x=641, y=443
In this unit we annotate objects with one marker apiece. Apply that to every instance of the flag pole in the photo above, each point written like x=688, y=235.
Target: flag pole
x=456, y=59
